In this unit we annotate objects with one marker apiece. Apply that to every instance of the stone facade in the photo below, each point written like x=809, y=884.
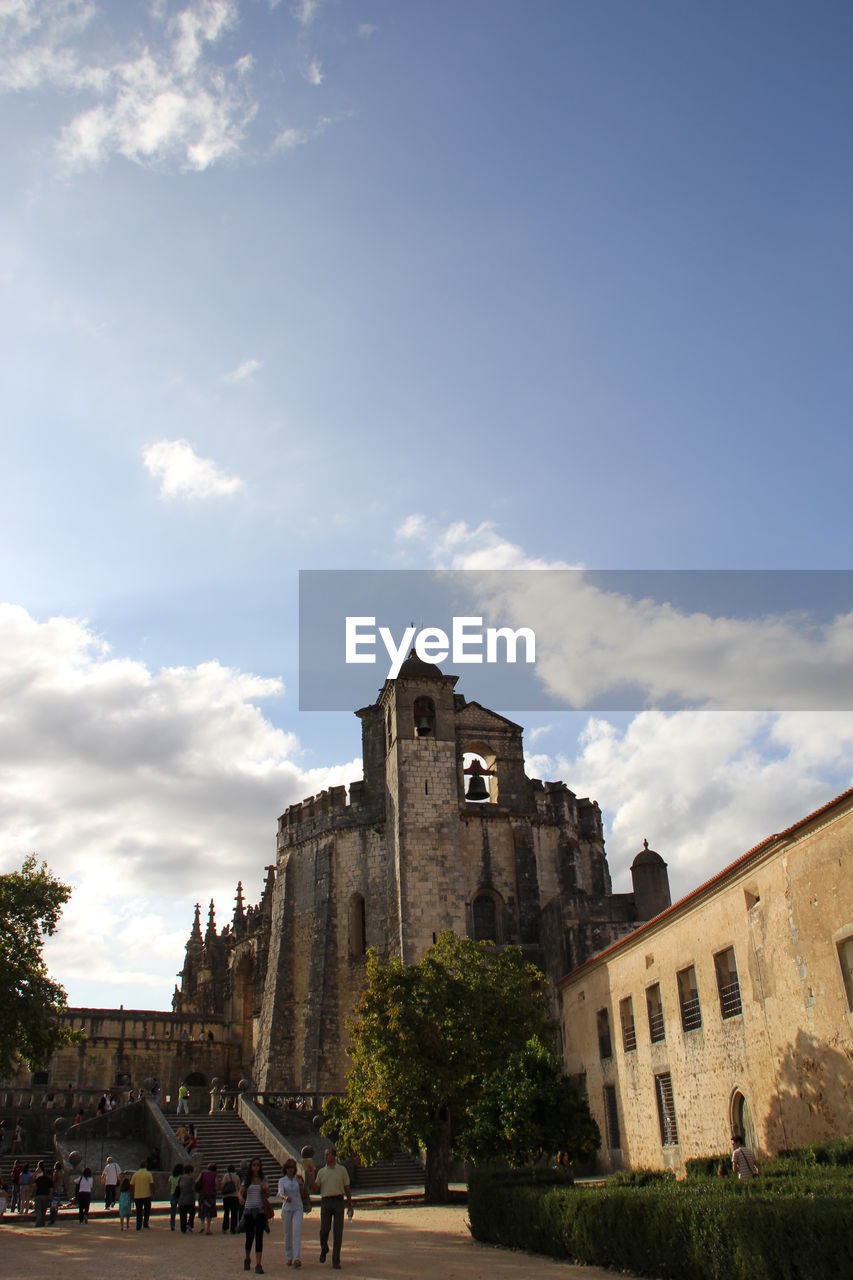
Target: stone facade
x=409, y=856
x=733, y=1010
x=404, y=856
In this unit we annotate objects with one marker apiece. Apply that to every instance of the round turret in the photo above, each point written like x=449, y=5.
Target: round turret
x=651, y=883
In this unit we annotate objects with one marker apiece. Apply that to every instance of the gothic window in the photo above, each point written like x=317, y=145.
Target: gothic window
x=485, y=915
x=424, y=713
x=357, y=930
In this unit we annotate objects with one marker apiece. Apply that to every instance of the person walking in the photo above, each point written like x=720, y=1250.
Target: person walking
x=43, y=1187
x=125, y=1201
x=15, y=1202
x=332, y=1182
x=208, y=1183
x=84, y=1184
x=186, y=1199
x=174, y=1187
x=230, y=1201
x=183, y=1099
x=291, y=1188
x=17, y=1139
x=255, y=1202
x=110, y=1179
x=743, y=1160
x=26, y=1181
x=56, y=1191
x=141, y=1184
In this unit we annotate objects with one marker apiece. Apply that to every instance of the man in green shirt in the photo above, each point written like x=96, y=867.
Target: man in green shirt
x=141, y=1184
x=183, y=1098
x=332, y=1182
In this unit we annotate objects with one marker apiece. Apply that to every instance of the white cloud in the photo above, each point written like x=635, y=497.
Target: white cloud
x=182, y=473
x=367, y=29
x=593, y=641
x=142, y=788
x=156, y=102
x=314, y=72
x=702, y=785
x=305, y=11
x=245, y=372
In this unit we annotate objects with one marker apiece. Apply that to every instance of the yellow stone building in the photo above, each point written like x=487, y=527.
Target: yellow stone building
x=731, y=1011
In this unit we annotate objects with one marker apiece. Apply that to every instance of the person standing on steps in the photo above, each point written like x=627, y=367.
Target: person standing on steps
x=183, y=1099
x=332, y=1182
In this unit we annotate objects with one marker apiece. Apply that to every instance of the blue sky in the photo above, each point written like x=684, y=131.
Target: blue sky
x=569, y=282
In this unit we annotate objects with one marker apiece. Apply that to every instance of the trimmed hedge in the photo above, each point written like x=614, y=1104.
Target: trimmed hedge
x=716, y=1230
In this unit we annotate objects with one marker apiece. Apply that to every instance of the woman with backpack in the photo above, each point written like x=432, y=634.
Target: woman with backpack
x=230, y=1187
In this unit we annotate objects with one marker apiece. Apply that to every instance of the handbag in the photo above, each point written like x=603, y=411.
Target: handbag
x=306, y=1198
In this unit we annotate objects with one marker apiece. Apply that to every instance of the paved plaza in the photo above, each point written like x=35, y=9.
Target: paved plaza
x=421, y=1242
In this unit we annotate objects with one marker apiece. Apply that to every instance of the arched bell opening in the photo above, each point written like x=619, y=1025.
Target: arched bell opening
x=480, y=777
x=424, y=717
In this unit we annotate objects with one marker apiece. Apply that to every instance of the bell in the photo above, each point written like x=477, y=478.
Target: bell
x=424, y=727
x=477, y=789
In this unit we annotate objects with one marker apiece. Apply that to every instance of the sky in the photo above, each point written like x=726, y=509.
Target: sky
x=357, y=284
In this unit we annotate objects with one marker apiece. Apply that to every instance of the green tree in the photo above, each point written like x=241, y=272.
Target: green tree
x=31, y=901
x=431, y=1045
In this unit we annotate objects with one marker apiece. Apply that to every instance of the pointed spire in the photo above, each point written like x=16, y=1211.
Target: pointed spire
x=210, y=936
x=239, y=913
x=195, y=936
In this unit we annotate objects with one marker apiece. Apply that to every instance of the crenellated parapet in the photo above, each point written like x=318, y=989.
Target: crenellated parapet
x=326, y=812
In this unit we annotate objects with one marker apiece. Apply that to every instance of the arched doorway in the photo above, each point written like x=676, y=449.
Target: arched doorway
x=741, y=1119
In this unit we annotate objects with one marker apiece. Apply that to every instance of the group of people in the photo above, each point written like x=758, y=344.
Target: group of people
x=247, y=1204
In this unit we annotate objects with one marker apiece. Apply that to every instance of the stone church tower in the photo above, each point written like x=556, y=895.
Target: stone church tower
x=414, y=852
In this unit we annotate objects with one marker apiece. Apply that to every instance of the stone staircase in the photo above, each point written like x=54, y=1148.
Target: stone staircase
x=226, y=1139
x=403, y=1171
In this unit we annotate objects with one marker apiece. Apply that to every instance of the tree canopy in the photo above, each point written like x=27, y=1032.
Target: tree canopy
x=31, y=901
x=450, y=1055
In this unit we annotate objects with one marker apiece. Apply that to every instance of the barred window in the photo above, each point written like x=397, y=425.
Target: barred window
x=688, y=998
x=629, y=1031
x=657, y=1029
x=611, y=1118
x=727, y=983
x=666, y=1110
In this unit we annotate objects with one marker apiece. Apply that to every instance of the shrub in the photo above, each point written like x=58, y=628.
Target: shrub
x=703, y=1230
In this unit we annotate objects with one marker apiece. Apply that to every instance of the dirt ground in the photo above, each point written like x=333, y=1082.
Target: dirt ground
x=411, y=1243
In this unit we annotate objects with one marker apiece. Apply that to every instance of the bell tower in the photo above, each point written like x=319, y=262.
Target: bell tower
x=422, y=804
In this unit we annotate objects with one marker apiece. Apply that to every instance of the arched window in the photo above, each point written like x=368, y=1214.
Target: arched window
x=479, y=775
x=357, y=929
x=485, y=918
x=424, y=714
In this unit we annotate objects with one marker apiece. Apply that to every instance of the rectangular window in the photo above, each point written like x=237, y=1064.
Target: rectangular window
x=688, y=998
x=611, y=1118
x=657, y=1030
x=727, y=983
x=666, y=1110
x=629, y=1031
x=605, y=1048
x=845, y=959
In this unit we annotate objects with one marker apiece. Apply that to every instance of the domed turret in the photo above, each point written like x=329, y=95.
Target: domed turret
x=651, y=883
